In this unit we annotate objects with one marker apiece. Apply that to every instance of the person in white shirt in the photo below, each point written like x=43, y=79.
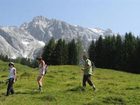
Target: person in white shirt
x=11, y=79
x=42, y=67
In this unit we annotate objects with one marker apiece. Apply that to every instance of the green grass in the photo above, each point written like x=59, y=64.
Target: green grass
x=62, y=86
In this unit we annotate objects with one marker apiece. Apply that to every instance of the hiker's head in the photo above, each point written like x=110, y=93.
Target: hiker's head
x=85, y=57
x=39, y=58
x=11, y=64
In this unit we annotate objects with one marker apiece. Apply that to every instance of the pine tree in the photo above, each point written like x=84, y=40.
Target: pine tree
x=99, y=54
x=58, y=53
x=91, y=51
x=129, y=48
x=137, y=57
x=119, y=53
x=48, y=51
x=72, y=53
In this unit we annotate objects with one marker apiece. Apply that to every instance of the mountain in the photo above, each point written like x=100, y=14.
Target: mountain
x=16, y=42
x=28, y=39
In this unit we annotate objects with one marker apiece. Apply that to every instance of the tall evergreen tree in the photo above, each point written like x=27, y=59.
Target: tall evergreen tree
x=136, y=63
x=64, y=52
x=119, y=54
x=112, y=52
x=108, y=51
x=91, y=51
x=99, y=54
x=48, y=51
x=60, y=53
x=72, y=53
x=129, y=48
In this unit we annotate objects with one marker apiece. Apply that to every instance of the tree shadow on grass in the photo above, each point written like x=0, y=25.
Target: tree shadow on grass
x=48, y=97
x=115, y=100
x=27, y=91
x=133, y=88
x=19, y=92
x=75, y=89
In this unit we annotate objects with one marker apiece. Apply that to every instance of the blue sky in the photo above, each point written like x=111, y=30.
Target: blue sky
x=119, y=15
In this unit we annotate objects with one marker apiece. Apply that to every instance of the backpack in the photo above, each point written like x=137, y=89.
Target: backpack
x=46, y=68
x=93, y=66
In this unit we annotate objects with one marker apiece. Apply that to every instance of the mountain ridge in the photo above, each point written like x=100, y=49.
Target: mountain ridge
x=30, y=37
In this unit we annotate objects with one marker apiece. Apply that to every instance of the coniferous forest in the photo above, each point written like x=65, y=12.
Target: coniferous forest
x=116, y=52
x=112, y=52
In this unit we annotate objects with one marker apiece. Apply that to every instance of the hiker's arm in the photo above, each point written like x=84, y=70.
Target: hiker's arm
x=43, y=64
x=15, y=78
x=82, y=69
x=87, y=65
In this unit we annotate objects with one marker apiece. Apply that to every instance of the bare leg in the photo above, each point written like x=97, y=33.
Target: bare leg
x=39, y=81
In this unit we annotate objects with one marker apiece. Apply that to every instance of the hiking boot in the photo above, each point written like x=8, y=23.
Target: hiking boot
x=83, y=89
x=94, y=89
x=40, y=89
x=6, y=94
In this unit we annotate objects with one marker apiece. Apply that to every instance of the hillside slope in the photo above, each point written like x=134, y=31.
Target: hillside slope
x=62, y=86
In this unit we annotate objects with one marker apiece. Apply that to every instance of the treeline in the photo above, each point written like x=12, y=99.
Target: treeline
x=61, y=52
x=116, y=52
x=24, y=61
x=54, y=53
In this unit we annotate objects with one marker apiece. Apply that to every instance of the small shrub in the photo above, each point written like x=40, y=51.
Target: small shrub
x=74, y=89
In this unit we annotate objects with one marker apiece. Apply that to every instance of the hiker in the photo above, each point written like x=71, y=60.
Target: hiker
x=11, y=78
x=87, y=69
x=42, y=67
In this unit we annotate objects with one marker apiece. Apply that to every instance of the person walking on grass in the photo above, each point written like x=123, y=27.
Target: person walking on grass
x=11, y=79
x=87, y=69
x=42, y=68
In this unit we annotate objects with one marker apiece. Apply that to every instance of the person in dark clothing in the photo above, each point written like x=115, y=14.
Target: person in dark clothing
x=11, y=79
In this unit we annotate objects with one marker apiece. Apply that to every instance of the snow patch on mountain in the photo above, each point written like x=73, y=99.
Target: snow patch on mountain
x=29, y=39
x=41, y=43
x=97, y=30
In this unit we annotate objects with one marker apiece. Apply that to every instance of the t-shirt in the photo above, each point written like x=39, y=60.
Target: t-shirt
x=42, y=68
x=88, y=67
x=12, y=71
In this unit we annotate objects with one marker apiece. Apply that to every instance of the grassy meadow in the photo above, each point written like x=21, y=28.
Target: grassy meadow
x=62, y=86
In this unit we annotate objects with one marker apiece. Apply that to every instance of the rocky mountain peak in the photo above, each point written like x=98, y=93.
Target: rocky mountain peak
x=28, y=39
